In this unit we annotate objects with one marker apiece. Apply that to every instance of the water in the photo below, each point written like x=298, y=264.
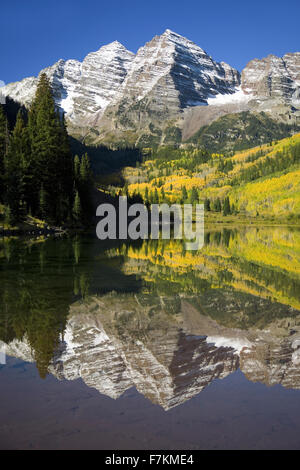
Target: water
x=147, y=346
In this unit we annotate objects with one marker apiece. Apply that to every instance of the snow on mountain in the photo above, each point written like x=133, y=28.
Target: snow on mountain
x=175, y=68
x=171, y=67
x=237, y=97
x=113, y=90
x=102, y=74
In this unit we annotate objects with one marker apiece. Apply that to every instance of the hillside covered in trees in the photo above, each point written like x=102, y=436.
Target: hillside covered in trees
x=240, y=131
x=263, y=181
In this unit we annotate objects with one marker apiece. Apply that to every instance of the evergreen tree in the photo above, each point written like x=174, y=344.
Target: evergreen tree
x=8, y=220
x=14, y=164
x=155, y=198
x=43, y=203
x=3, y=134
x=51, y=154
x=85, y=170
x=184, y=194
x=151, y=197
x=77, y=208
x=77, y=168
x=217, y=205
x=226, y=206
x=146, y=194
x=194, y=196
x=66, y=167
x=207, y=204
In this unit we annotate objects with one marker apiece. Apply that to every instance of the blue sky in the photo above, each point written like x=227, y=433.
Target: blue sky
x=36, y=33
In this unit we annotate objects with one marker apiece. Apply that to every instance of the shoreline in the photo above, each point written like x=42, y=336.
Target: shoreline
x=18, y=232
x=211, y=224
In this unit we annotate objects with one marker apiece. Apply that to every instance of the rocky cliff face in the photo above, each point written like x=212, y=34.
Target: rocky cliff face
x=102, y=74
x=270, y=85
x=114, y=91
x=178, y=72
x=274, y=86
x=169, y=74
x=273, y=78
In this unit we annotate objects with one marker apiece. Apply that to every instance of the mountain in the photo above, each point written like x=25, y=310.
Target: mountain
x=165, y=92
x=169, y=74
x=270, y=85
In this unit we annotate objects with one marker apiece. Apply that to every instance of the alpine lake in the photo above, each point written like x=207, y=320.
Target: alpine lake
x=145, y=345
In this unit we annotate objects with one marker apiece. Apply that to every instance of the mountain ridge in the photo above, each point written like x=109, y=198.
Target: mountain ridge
x=114, y=95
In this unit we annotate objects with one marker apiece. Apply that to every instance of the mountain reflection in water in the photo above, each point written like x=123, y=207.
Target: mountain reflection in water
x=153, y=316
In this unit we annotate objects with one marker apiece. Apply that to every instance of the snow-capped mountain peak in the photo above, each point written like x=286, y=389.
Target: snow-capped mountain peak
x=114, y=90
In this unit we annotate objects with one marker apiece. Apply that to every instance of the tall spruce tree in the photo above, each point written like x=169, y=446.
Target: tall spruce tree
x=66, y=174
x=184, y=194
x=77, y=169
x=206, y=204
x=85, y=186
x=43, y=203
x=15, y=163
x=194, y=198
x=3, y=145
x=53, y=166
x=226, y=206
x=217, y=205
x=77, y=208
x=146, y=198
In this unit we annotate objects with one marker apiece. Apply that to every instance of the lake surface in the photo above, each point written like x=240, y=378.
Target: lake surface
x=144, y=345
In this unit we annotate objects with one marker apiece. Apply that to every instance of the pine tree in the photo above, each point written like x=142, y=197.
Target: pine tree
x=14, y=164
x=226, y=206
x=77, y=208
x=217, y=205
x=42, y=203
x=184, y=194
x=53, y=166
x=66, y=166
x=151, y=197
x=8, y=220
x=207, y=204
x=3, y=133
x=28, y=184
x=76, y=168
x=85, y=170
x=194, y=196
